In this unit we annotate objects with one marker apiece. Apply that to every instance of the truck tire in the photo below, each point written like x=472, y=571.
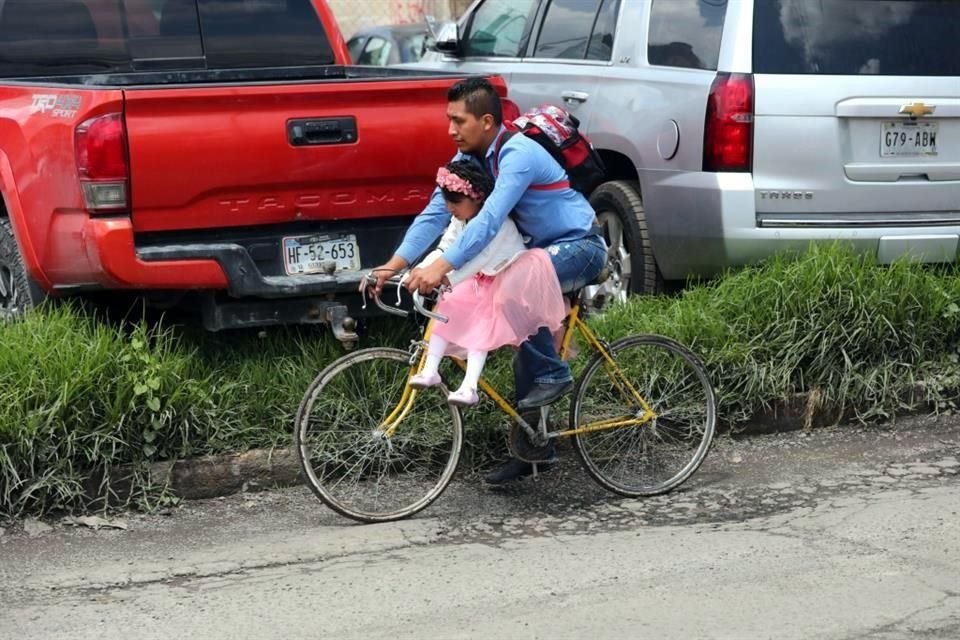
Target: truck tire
x=18, y=292
x=620, y=212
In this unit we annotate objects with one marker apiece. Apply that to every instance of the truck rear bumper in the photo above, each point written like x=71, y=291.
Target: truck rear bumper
x=232, y=261
x=111, y=250
x=245, y=279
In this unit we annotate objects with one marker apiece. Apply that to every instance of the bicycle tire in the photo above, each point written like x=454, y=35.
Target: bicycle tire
x=349, y=462
x=664, y=452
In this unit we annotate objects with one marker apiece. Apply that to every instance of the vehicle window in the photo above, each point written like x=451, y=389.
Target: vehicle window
x=498, y=28
x=177, y=35
x=601, y=41
x=56, y=37
x=137, y=19
x=857, y=37
x=686, y=33
x=377, y=52
x=32, y=44
x=355, y=46
x=413, y=48
x=79, y=36
x=566, y=29
x=262, y=33
x=142, y=18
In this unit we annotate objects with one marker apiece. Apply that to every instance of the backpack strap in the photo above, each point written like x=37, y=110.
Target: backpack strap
x=502, y=140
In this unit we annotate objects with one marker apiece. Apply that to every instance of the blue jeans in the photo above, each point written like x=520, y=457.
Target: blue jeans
x=577, y=263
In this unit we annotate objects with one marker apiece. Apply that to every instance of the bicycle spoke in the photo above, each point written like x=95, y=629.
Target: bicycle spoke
x=353, y=466
x=663, y=451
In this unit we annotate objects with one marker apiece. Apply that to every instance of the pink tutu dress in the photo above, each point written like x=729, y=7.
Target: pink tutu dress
x=491, y=311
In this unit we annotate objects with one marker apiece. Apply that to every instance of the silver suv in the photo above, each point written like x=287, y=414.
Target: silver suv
x=735, y=129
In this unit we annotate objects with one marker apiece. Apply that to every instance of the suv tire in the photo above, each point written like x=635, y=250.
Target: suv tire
x=18, y=292
x=621, y=214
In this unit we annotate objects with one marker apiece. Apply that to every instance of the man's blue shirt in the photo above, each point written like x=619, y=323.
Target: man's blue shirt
x=544, y=217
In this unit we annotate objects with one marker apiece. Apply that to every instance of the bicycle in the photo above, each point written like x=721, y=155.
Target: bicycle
x=375, y=450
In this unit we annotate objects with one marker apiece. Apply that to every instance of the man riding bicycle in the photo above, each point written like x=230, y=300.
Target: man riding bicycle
x=550, y=215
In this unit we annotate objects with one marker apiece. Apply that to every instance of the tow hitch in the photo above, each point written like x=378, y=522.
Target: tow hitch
x=238, y=314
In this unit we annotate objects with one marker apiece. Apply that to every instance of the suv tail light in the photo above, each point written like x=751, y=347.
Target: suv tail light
x=728, y=134
x=101, y=148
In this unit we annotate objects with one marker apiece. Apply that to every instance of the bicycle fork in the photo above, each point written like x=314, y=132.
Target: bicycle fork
x=417, y=360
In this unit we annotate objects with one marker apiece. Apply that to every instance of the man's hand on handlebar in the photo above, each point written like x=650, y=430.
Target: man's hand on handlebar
x=370, y=283
x=383, y=273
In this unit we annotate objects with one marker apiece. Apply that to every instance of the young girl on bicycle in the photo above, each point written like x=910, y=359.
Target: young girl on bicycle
x=500, y=297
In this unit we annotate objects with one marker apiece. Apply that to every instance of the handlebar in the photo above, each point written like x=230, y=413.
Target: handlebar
x=418, y=303
x=370, y=280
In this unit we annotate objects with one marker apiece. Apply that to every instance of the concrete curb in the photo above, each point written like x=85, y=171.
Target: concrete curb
x=216, y=476
x=801, y=411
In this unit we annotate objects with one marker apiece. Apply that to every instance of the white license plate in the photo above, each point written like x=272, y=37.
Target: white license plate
x=908, y=139
x=303, y=255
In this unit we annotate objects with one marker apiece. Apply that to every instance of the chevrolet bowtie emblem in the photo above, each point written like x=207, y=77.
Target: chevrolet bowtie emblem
x=917, y=109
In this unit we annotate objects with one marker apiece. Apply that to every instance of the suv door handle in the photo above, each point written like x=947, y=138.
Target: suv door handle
x=575, y=97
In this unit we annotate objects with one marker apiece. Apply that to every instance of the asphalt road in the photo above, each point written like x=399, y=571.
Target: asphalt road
x=841, y=533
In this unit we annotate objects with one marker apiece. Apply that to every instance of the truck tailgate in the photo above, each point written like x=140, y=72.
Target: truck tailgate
x=222, y=156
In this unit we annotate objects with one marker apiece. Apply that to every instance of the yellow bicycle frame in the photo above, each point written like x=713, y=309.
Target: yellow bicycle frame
x=574, y=325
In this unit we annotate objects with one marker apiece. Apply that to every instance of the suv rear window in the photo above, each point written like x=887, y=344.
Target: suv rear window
x=60, y=37
x=686, y=33
x=857, y=37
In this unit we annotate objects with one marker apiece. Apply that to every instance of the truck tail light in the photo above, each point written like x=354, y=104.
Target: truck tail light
x=101, y=148
x=728, y=135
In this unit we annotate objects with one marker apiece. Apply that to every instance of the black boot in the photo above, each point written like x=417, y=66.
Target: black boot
x=543, y=394
x=515, y=469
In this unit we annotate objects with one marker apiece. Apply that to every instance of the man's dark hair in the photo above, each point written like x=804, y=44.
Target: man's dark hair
x=479, y=96
x=477, y=177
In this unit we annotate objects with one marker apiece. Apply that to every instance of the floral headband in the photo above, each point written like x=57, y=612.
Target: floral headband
x=450, y=181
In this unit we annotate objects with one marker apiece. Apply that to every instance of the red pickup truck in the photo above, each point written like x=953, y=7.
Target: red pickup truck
x=220, y=152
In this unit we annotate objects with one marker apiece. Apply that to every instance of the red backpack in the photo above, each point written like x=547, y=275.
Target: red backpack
x=557, y=131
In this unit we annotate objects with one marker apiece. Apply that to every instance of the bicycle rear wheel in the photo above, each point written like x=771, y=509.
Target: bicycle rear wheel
x=353, y=461
x=658, y=455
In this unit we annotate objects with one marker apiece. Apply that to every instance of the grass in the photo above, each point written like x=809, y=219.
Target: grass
x=864, y=336
x=79, y=396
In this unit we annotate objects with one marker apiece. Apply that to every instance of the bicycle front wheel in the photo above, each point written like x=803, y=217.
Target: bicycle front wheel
x=371, y=449
x=624, y=447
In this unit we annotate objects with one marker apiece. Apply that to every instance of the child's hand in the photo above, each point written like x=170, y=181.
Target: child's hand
x=426, y=279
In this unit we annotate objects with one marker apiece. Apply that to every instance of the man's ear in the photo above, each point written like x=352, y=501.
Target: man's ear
x=488, y=122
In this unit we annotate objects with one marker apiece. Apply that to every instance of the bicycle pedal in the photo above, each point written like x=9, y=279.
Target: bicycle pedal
x=521, y=449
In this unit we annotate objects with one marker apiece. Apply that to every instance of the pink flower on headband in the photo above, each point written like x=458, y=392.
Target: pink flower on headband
x=450, y=181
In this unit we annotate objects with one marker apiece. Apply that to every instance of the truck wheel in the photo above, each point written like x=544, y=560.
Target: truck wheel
x=18, y=292
x=624, y=221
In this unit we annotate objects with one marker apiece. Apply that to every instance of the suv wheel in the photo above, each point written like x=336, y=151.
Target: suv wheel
x=18, y=292
x=632, y=267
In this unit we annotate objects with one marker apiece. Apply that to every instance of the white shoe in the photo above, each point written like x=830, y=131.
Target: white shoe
x=424, y=380
x=463, y=397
